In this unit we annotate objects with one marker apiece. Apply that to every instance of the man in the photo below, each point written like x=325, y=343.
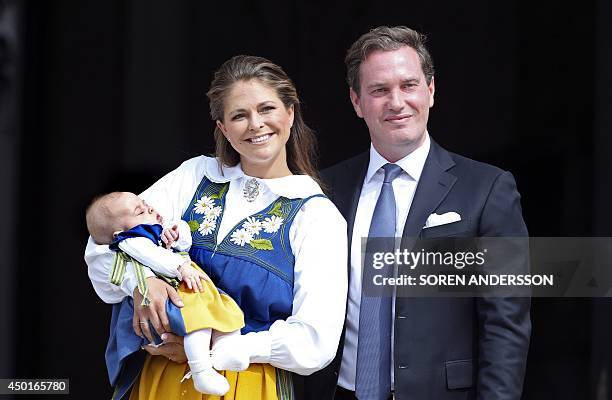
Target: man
x=440, y=348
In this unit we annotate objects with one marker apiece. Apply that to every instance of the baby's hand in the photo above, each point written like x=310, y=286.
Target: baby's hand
x=192, y=276
x=170, y=235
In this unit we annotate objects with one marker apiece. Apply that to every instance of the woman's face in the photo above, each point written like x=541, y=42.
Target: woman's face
x=257, y=125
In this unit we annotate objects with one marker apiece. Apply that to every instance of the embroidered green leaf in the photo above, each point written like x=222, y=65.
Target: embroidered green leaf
x=193, y=225
x=276, y=210
x=221, y=192
x=261, y=244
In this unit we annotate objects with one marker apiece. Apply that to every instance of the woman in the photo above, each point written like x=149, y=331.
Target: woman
x=263, y=232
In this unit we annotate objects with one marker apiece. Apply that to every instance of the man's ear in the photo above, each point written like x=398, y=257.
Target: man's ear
x=355, y=101
x=432, y=89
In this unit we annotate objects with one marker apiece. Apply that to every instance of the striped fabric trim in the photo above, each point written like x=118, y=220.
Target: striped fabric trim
x=142, y=282
x=118, y=271
x=284, y=385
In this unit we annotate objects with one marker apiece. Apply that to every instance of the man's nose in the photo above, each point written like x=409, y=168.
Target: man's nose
x=396, y=102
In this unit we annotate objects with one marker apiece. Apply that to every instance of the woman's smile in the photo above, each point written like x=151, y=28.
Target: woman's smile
x=260, y=139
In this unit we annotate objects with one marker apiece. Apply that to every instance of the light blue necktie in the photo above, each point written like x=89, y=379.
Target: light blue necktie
x=373, y=379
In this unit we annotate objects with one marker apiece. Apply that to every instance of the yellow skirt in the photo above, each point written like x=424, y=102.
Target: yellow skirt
x=160, y=379
x=209, y=309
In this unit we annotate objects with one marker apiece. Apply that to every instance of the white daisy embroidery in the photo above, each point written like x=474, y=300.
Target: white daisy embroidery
x=241, y=237
x=212, y=213
x=272, y=224
x=203, y=204
x=207, y=227
x=252, y=225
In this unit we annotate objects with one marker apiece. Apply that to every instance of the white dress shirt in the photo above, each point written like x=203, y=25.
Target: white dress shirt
x=308, y=339
x=404, y=187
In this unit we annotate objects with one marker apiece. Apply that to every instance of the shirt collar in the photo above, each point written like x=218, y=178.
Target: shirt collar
x=291, y=187
x=412, y=164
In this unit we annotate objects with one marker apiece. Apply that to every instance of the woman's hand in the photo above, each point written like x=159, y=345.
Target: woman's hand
x=232, y=352
x=155, y=312
x=171, y=348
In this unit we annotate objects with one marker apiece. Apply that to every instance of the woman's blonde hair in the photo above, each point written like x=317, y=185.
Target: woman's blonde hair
x=302, y=144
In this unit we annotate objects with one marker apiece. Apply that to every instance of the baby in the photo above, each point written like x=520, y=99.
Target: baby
x=128, y=224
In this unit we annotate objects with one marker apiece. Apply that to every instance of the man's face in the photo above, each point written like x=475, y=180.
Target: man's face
x=394, y=101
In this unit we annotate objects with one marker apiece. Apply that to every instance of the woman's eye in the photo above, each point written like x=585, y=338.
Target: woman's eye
x=268, y=108
x=237, y=117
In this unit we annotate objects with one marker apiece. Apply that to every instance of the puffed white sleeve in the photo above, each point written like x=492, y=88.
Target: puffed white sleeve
x=184, y=241
x=307, y=341
x=159, y=259
x=99, y=261
x=170, y=195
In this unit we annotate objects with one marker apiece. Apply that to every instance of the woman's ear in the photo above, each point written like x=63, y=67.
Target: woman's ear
x=221, y=127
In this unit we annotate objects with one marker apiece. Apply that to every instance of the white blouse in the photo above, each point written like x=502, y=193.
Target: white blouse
x=307, y=341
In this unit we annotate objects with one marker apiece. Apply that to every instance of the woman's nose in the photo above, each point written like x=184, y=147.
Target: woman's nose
x=255, y=123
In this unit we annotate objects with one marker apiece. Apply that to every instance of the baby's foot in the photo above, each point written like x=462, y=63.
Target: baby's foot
x=206, y=380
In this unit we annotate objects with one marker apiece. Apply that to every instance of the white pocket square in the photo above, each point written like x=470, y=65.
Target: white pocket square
x=446, y=218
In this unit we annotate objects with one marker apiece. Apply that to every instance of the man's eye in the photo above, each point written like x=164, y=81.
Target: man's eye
x=379, y=91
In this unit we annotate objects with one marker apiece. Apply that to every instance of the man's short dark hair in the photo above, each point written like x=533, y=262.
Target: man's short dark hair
x=386, y=39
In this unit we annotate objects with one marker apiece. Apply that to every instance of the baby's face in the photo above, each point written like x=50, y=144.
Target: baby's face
x=130, y=210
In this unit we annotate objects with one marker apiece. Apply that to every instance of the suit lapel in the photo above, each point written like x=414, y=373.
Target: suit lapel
x=347, y=198
x=434, y=184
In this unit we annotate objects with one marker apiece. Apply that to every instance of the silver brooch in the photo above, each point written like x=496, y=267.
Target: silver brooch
x=250, y=191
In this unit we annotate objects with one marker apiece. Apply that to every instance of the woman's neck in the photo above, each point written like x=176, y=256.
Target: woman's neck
x=270, y=171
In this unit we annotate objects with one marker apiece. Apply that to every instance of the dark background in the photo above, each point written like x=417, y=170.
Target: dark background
x=104, y=95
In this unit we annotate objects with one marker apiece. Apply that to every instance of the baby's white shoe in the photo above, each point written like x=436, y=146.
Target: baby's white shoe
x=206, y=380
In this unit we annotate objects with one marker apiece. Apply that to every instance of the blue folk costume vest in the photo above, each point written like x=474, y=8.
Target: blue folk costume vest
x=253, y=264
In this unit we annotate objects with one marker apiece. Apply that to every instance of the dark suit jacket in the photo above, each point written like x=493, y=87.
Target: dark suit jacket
x=446, y=348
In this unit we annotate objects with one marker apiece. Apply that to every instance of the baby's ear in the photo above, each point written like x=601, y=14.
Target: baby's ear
x=116, y=233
